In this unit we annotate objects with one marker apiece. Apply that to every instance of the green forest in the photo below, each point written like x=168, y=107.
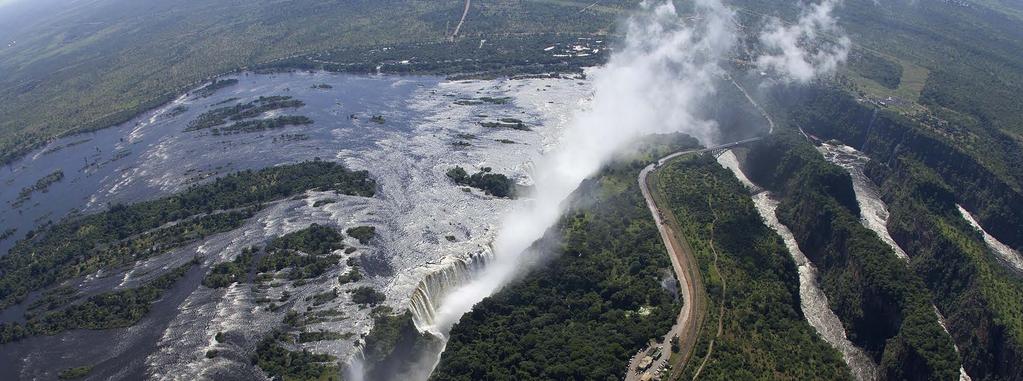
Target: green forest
x=884, y=306
x=126, y=233
x=494, y=184
x=981, y=299
x=586, y=310
x=104, y=311
x=751, y=283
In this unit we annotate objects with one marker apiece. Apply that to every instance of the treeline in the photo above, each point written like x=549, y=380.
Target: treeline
x=220, y=116
x=258, y=125
x=215, y=86
x=82, y=246
x=307, y=252
x=751, y=284
x=282, y=363
x=885, y=307
x=494, y=184
x=104, y=311
x=226, y=273
x=41, y=185
x=875, y=67
x=315, y=239
x=586, y=311
x=362, y=233
x=501, y=56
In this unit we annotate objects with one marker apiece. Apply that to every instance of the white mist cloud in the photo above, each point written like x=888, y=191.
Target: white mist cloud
x=797, y=52
x=653, y=83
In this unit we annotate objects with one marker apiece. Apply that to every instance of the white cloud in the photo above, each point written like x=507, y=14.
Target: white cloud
x=653, y=83
x=812, y=47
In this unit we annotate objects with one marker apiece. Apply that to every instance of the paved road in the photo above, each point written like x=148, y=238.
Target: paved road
x=686, y=327
x=684, y=265
x=460, y=22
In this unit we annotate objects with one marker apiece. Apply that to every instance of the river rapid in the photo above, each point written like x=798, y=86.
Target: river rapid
x=812, y=299
x=416, y=212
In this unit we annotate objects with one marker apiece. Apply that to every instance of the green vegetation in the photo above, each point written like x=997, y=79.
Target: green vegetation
x=751, y=283
x=104, y=311
x=215, y=86
x=315, y=239
x=483, y=100
x=366, y=295
x=971, y=52
x=985, y=181
x=241, y=111
x=925, y=166
x=324, y=297
x=7, y=233
x=54, y=298
x=283, y=364
x=41, y=185
x=576, y=316
x=177, y=110
x=262, y=125
x=876, y=68
x=224, y=274
x=362, y=233
x=124, y=234
x=494, y=184
x=286, y=138
x=306, y=252
x=884, y=306
x=74, y=373
x=503, y=123
x=324, y=316
x=323, y=202
x=353, y=275
x=980, y=298
x=306, y=337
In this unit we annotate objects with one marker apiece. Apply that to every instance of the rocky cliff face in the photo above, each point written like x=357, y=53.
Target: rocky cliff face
x=884, y=306
x=975, y=293
x=886, y=137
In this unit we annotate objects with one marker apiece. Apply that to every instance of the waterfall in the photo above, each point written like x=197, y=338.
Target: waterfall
x=356, y=369
x=436, y=285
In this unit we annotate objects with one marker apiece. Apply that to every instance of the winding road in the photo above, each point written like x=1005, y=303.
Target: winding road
x=462, y=21
x=688, y=324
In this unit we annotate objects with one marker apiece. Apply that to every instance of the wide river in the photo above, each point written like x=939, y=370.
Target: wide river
x=415, y=211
